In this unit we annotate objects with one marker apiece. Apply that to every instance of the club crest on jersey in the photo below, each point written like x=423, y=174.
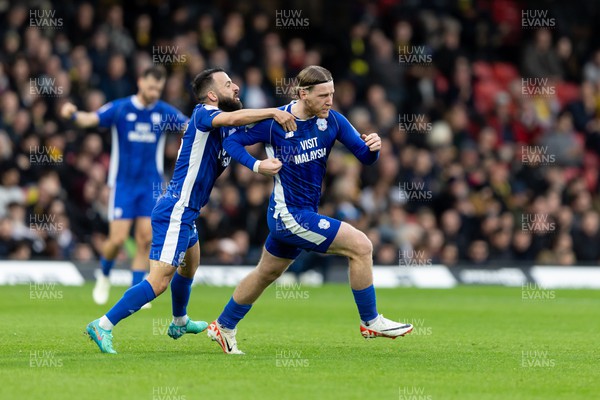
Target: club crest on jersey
x=324, y=224
x=181, y=257
x=155, y=118
x=322, y=124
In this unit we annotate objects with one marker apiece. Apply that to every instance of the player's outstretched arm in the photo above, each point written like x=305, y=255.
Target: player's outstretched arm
x=250, y=116
x=259, y=133
x=81, y=119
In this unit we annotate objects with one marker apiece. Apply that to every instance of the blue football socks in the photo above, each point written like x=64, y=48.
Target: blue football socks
x=233, y=313
x=181, y=288
x=366, y=303
x=137, y=277
x=133, y=299
x=106, y=265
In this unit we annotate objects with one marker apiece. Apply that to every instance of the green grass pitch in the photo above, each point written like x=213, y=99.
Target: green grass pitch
x=304, y=343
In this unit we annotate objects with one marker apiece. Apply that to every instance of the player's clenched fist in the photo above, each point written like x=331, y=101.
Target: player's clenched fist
x=269, y=167
x=67, y=110
x=286, y=120
x=373, y=141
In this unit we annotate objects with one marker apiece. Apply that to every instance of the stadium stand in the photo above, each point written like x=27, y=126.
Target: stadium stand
x=491, y=136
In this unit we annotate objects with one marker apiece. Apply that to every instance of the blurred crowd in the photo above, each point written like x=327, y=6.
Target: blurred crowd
x=490, y=124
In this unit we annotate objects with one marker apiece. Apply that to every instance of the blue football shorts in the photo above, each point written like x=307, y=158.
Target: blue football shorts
x=130, y=201
x=293, y=232
x=173, y=230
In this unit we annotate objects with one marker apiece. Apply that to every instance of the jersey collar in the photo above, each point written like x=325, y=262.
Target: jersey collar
x=288, y=108
x=138, y=104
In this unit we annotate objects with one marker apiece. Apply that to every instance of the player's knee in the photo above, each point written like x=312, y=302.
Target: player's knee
x=362, y=246
x=159, y=284
x=160, y=276
x=143, y=235
x=117, y=240
x=269, y=275
x=143, y=240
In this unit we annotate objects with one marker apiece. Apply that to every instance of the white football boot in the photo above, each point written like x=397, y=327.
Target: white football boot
x=224, y=337
x=101, y=289
x=383, y=327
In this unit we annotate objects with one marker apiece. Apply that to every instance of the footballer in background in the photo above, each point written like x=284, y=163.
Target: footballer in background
x=138, y=124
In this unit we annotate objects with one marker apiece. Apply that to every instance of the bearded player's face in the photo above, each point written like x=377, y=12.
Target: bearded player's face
x=227, y=92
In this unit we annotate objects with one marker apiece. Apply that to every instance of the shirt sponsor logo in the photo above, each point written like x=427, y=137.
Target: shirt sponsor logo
x=141, y=137
x=142, y=133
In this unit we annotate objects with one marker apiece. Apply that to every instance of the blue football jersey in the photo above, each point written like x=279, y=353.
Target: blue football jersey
x=201, y=158
x=303, y=153
x=138, y=139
